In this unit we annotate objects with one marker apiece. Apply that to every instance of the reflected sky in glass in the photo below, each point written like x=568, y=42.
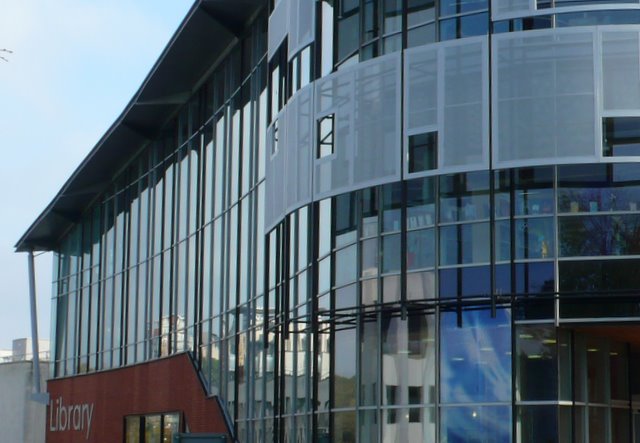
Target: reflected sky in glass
x=475, y=359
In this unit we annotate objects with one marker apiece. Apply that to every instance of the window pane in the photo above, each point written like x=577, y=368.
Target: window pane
x=484, y=423
x=423, y=149
x=538, y=424
x=536, y=363
x=421, y=249
x=475, y=357
x=391, y=253
x=534, y=238
x=420, y=203
x=132, y=425
x=346, y=265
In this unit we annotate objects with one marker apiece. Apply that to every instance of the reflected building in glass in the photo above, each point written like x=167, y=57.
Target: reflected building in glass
x=369, y=221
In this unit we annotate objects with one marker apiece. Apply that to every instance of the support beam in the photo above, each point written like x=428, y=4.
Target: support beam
x=38, y=395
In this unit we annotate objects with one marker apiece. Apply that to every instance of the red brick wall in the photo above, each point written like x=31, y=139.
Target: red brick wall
x=167, y=385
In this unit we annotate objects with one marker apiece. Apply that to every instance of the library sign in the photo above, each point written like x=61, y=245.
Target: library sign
x=70, y=417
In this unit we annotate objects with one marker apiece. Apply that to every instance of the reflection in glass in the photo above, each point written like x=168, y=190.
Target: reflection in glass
x=464, y=197
x=391, y=207
x=391, y=253
x=369, y=371
x=344, y=360
x=464, y=244
x=390, y=288
x=344, y=430
x=537, y=424
x=346, y=265
x=345, y=219
x=370, y=257
x=597, y=235
x=369, y=212
x=475, y=357
x=536, y=363
x=534, y=238
x=464, y=26
x=465, y=282
x=421, y=285
x=421, y=249
x=485, y=423
x=420, y=203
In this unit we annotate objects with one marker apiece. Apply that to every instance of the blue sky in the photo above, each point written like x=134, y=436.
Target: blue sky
x=75, y=65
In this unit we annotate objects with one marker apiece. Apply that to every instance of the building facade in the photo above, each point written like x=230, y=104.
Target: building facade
x=365, y=220
x=22, y=418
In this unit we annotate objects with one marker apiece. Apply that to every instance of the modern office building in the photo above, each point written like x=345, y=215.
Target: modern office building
x=360, y=221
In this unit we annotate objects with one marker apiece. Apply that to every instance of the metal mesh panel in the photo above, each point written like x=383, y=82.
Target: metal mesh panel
x=620, y=71
x=544, y=100
x=275, y=178
x=365, y=100
x=464, y=140
x=299, y=149
x=278, y=26
x=502, y=7
x=302, y=25
x=421, y=76
x=446, y=90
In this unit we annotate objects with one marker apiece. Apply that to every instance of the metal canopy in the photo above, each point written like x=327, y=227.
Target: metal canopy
x=210, y=27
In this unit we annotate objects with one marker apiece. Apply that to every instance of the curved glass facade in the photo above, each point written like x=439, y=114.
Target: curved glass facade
x=406, y=231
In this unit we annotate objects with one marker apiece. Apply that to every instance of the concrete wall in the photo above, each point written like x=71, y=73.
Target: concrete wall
x=21, y=419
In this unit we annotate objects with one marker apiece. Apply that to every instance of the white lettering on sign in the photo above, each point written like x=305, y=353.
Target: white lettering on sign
x=70, y=417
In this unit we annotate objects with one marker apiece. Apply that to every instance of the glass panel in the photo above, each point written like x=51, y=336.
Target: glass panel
x=421, y=249
x=369, y=212
x=599, y=235
x=537, y=424
x=464, y=26
x=465, y=282
x=464, y=244
x=618, y=373
x=421, y=35
x=485, y=423
x=325, y=136
x=370, y=291
x=346, y=297
x=421, y=285
x=324, y=227
x=132, y=430
x=344, y=380
x=534, y=238
x=423, y=149
x=621, y=136
x=345, y=219
x=420, y=11
x=369, y=257
x=152, y=430
x=450, y=7
x=369, y=372
x=536, y=363
x=594, y=188
x=475, y=358
x=464, y=197
x=420, y=203
x=171, y=427
x=346, y=265
x=391, y=253
x=392, y=204
x=344, y=430
x=391, y=288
